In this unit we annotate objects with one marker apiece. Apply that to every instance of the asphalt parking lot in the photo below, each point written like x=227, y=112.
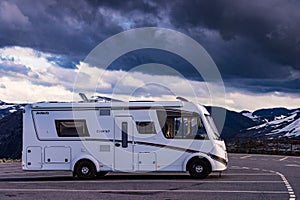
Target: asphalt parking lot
x=247, y=177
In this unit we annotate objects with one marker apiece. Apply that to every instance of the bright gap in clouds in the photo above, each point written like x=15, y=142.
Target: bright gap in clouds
x=27, y=75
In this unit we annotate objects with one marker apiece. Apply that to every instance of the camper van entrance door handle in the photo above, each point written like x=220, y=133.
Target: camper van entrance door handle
x=117, y=144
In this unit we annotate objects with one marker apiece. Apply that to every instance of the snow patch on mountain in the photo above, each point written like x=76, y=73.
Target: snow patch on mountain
x=12, y=110
x=5, y=106
x=249, y=115
x=293, y=129
x=9, y=108
x=275, y=123
x=280, y=117
x=281, y=120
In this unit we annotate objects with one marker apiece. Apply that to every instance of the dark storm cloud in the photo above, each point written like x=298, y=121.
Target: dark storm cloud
x=142, y=56
x=270, y=26
x=58, y=27
x=249, y=40
x=67, y=27
x=264, y=86
x=259, y=44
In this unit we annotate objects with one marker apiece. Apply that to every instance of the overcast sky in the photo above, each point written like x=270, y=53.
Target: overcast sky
x=255, y=45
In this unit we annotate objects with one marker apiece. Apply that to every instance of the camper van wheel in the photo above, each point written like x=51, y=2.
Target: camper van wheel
x=85, y=169
x=199, y=168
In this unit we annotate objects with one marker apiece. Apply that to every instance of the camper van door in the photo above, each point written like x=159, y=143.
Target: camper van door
x=123, y=144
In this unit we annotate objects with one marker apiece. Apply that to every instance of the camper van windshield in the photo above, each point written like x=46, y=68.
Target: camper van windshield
x=216, y=134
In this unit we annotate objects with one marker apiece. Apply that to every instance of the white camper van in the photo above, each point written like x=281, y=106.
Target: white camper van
x=94, y=138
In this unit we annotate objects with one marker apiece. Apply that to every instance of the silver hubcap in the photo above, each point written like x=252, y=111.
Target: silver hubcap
x=199, y=168
x=85, y=170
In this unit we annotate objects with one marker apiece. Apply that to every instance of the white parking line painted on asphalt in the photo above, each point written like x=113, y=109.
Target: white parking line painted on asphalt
x=261, y=155
x=292, y=165
x=250, y=174
x=282, y=159
x=287, y=185
x=137, y=191
x=247, y=156
x=291, y=193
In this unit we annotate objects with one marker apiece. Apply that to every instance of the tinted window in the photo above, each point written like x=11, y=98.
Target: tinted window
x=145, y=127
x=182, y=125
x=71, y=128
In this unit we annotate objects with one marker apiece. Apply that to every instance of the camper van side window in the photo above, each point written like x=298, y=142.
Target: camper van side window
x=71, y=128
x=146, y=127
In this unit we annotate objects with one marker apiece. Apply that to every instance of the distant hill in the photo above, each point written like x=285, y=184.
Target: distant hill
x=234, y=124
x=11, y=135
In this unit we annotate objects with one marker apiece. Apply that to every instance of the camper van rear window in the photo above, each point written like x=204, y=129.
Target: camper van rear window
x=71, y=128
x=146, y=127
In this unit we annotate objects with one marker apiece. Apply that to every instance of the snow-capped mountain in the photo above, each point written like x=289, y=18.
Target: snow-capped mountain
x=9, y=108
x=273, y=123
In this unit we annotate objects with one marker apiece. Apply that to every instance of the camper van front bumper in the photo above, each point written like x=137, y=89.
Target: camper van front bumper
x=219, y=159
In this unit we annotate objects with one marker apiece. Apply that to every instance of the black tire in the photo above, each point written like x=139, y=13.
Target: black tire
x=85, y=170
x=101, y=173
x=199, y=168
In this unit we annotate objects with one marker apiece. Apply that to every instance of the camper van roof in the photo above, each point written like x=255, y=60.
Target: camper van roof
x=108, y=104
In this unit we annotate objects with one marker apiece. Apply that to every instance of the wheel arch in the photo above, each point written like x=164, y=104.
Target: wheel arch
x=88, y=158
x=200, y=156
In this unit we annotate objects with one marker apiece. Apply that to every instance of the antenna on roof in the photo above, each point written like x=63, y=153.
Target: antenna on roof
x=182, y=99
x=83, y=97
